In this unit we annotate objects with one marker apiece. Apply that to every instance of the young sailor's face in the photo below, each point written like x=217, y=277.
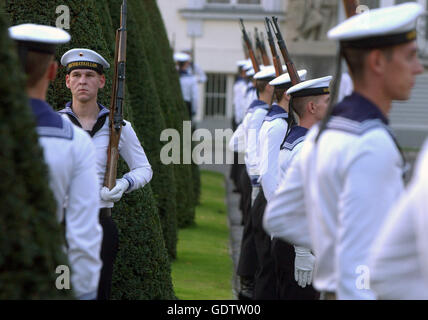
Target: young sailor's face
x=321, y=105
x=401, y=70
x=84, y=84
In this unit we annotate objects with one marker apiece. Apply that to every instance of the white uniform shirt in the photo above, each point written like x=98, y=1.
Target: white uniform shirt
x=130, y=150
x=249, y=96
x=349, y=181
x=189, y=89
x=397, y=259
x=239, y=89
x=257, y=110
x=290, y=148
x=284, y=214
x=352, y=177
x=238, y=141
x=272, y=134
x=70, y=156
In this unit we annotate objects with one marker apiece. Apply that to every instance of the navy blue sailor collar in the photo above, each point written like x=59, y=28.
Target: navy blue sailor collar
x=102, y=116
x=257, y=104
x=276, y=112
x=251, y=88
x=45, y=116
x=294, y=137
x=69, y=110
x=49, y=123
x=358, y=108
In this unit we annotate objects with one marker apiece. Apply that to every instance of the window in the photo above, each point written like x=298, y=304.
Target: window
x=215, y=95
x=235, y=2
x=372, y=4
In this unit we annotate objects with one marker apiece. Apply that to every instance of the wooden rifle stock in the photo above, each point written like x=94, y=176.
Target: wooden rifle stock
x=350, y=7
x=291, y=69
x=116, y=102
x=250, y=48
x=276, y=59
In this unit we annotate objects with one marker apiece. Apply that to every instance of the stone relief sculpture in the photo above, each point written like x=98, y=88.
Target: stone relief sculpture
x=309, y=20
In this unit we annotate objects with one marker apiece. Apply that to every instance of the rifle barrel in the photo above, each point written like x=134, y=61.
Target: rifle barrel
x=291, y=69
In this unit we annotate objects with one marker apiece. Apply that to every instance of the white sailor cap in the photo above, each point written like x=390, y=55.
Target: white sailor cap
x=181, y=57
x=266, y=73
x=37, y=37
x=378, y=28
x=80, y=58
x=313, y=87
x=250, y=72
x=241, y=63
x=284, y=81
x=248, y=65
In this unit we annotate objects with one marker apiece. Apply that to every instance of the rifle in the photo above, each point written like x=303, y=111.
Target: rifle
x=276, y=59
x=192, y=54
x=173, y=42
x=350, y=7
x=294, y=76
x=262, y=49
x=250, y=48
x=116, y=102
x=246, y=53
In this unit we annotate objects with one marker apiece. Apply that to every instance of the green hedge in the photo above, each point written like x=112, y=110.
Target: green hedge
x=30, y=236
x=169, y=91
x=136, y=214
x=149, y=123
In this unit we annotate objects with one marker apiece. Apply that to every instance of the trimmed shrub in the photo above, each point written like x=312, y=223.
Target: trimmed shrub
x=149, y=123
x=169, y=91
x=31, y=238
x=128, y=282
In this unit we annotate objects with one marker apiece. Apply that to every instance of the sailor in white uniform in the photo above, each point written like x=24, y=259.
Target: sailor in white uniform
x=399, y=265
x=251, y=91
x=294, y=265
x=272, y=132
x=188, y=82
x=85, y=76
x=239, y=89
x=70, y=156
x=352, y=173
x=252, y=123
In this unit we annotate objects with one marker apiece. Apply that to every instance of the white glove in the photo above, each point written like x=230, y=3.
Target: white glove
x=116, y=193
x=303, y=266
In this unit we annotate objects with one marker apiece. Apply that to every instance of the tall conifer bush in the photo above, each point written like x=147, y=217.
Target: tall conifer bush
x=141, y=264
x=149, y=123
x=30, y=235
x=168, y=87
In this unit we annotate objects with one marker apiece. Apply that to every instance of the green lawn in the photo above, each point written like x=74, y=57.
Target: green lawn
x=203, y=268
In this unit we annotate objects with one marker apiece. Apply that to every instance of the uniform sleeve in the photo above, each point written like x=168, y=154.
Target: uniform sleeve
x=83, y=231
x=419, y=191
x=371, y=184
x=269, y=155
x=133, y=153
x=254, y=125
x=238, y=95
x=285, y=215
x=202, y=77
x=395, y=271
x=195, y=96
x=237, y=141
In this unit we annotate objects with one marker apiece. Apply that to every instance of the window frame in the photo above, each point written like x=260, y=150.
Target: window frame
x=234, y=4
